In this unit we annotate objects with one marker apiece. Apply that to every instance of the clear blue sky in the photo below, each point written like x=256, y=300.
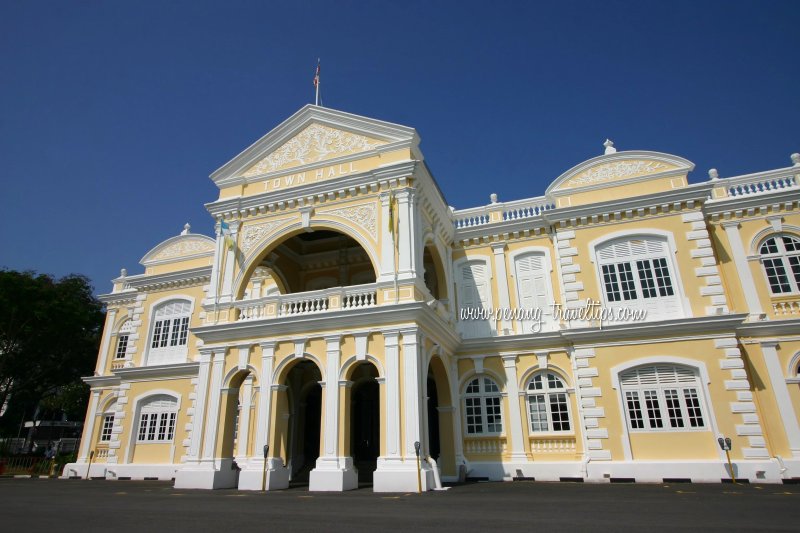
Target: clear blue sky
x=113, y=114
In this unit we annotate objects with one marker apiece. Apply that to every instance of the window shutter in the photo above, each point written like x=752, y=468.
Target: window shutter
x=475, y=295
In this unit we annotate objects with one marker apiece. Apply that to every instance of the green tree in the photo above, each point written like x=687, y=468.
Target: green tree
x=49, y=335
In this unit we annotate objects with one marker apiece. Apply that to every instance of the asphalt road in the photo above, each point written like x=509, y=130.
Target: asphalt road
x=150, y=506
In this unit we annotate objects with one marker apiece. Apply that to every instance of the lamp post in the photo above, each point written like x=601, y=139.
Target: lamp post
x=88, y=470
x=725, y=444
x=419, y=474
x=264, y=472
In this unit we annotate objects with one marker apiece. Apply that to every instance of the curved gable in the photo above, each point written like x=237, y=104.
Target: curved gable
x=180, y=248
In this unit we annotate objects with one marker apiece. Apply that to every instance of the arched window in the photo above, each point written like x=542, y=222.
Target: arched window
x=122, y=340
x=169, y=333
x=473, y=296
x=637, y=273
x=548, y=403
x=662, y=398
x=780, y=255
x=157, y=419
x=108, y=423
x=482, y=407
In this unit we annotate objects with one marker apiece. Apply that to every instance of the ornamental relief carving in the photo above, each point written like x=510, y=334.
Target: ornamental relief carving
x=253, y=235
x=618, y=170
x=315, y=143
x=362, y=215
x=183, y=248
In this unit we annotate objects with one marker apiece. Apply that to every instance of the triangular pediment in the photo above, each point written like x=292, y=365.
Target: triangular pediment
x=312, y=137
x=618, y=169
x=315, y=143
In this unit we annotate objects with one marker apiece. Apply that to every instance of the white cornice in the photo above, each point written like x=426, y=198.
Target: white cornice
x=98, y=382
x=770, y=327
x=160, y=371
x=679, y=327
x=181, y=278
x=127, y=296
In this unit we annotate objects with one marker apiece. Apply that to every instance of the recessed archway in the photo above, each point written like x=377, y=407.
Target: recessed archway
x=364, y=411
x=440, y=413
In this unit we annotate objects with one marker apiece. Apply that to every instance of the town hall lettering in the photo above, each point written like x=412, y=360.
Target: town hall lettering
x=310, y=176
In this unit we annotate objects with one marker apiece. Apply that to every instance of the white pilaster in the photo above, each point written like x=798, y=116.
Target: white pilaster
x=501, y=276
x=514, y=415
x=213, y=284
x=781, y=391
x=411, y=391
x=243, y=435
x=392, y=393
x=88, y=432
x=407, y=227
x=387, y=240
x=111, y=316
x=265, y=395
x=743, y=269
x=214, y=405
x=230, y=264
x=200, y=405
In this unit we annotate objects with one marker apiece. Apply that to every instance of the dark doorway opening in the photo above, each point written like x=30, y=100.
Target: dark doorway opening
x=434, y=439
x=365, y=431
x=305, y=396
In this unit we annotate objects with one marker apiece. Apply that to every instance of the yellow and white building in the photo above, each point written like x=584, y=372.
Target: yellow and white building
x=328, y=320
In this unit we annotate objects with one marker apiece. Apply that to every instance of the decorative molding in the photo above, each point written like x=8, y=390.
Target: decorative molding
x=313, y=144
x=183, y=248
x=363, y=215
x=617, y=170
x=256, y=233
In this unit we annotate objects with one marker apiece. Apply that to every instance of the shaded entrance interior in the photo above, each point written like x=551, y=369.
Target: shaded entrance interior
x=305, y=402
x=365, y=421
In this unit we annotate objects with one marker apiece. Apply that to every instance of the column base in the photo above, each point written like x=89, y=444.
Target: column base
x=217, y=474
x=252, y=476
x=333, y=474
x=396, y=475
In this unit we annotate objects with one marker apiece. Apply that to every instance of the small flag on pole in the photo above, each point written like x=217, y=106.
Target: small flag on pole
x=225, y=229
x=316, y=82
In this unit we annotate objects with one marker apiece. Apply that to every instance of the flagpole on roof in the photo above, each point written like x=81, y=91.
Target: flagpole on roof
x=316, y=83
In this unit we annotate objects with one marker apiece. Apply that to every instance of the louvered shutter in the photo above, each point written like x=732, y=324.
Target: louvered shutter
x=533, y=289
x=474, y=295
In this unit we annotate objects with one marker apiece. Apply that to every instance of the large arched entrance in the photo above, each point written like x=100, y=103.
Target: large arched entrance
x=440, y=412
x=304, y=428
x=365, y=433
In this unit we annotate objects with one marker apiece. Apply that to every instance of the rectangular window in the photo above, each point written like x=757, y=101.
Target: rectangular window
x=662, y=277
x=157, y=427
x=794, y=264
x=674, y=408
x=538, y=412
x=693, y=408
x=653, y=409
x=634, y=409
x=157, y=334
x=626, y=281
x=108, y=425
x=646, y=278
x=611, y=283
x=143, y=427
x=122, y=347
x=558, y=410
x=151, y=428
x=474, y=417
x=776, y=274
x=494, y=422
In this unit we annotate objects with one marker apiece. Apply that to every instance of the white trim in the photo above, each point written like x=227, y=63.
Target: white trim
x=786, y=409
x=487, y=260
x=762, y=234
x=642, y=232
x=151, y=324
x=354, y=360
x=136, y=412
x=701, y=368
x=291, y=358
x=148, y=261
x=743, y=268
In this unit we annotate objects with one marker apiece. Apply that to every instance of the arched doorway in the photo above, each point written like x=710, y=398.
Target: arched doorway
x=305, y=418
x=440, y=412
x=365, y=424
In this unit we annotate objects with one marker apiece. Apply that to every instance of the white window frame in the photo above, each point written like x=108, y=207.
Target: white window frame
x=657, y=393
x=107, y=427
x=157, y=421
x=684, y=310
x=481, y=398
x=547, y=391
x=783, y=256
x=123, y=339
x=167, y=352
x=548, y=321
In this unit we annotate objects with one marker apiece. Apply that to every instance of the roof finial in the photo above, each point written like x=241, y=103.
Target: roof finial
x=609, y=144
x=493, y=198
x=795, y=159
x=186, y=228
x=713, y=174
x=123, y=273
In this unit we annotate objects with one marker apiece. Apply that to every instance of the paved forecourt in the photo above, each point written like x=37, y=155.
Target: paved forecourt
x=121, y=506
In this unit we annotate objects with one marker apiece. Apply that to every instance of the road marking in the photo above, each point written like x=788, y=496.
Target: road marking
x=390, y=497
x=305, y=496
x=684, y=492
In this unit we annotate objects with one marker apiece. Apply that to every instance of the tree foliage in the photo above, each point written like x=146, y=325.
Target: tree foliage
x=49, y=335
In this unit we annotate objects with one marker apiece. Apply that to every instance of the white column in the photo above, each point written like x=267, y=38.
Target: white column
x=243, y=435
x=212, y=415
x=387, y=240
x=407, y=248
x=230, y=263
x=514, y=415
x=213, y=284
x=743, y=268
x=265, y=396
x=199, y=416
x=502, y=284
x=392, y=393
x=104, y=346
x=411, y=391
x=88, y=432
x=331, y=440
x=781, y=391
x=455, y=394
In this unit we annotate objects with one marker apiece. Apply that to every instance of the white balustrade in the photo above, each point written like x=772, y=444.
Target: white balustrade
x=759, y=183
x=530, y=208
x=353, y=297
x=552, y=444
x=790, y=307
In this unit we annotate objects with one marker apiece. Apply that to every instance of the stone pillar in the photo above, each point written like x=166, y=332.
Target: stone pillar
x=88, y=433
x=230, y=264
x=514, y=415
x=406, y=234
x=332, y=472
x=213, y=285
x=786, y=409
x=743, y=269
x=243, y=438
x=104, y=346
x=501, y=276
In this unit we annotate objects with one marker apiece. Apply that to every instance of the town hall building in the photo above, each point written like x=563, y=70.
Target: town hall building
x=343, y=315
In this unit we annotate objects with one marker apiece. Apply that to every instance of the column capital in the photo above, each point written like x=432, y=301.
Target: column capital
x=770, y=344
x=268, y=348
x=509, y=360
x=499, y=248
x=730, y=224
x=391, y=336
